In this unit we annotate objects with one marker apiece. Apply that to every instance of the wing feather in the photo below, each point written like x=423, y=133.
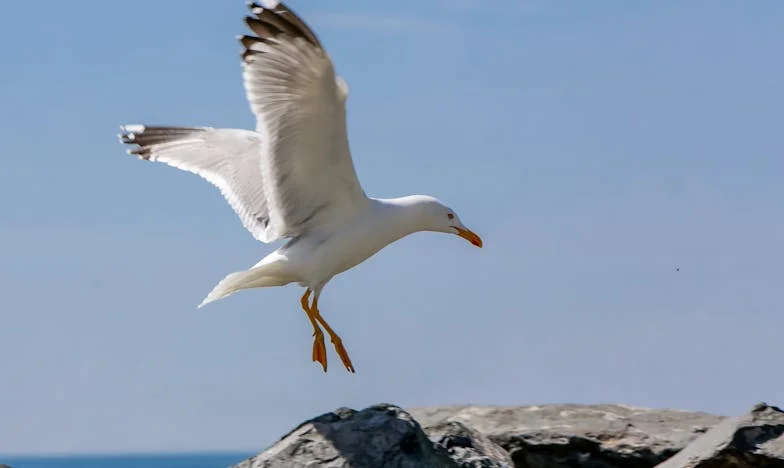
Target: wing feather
x=227, y=158
x=299, y=103
x=292, y=175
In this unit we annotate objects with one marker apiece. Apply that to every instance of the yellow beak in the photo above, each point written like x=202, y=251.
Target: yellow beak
x=469, y=235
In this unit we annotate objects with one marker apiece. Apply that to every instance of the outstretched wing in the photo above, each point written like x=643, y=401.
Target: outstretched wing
x=309, y=177
x=295, y=173
x=227, y=158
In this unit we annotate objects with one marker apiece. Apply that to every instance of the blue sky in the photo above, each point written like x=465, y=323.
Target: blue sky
x=597, y=147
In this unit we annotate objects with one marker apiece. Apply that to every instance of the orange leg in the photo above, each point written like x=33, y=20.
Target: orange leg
x=336, y=341
x=319, y=350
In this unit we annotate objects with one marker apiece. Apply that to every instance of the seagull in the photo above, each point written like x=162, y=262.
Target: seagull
x=293, y=177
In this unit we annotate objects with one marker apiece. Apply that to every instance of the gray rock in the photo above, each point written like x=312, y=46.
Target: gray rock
x=467, y=447
x=754, y=440
x=595, y=436
x=549, y=436
x=378, y=436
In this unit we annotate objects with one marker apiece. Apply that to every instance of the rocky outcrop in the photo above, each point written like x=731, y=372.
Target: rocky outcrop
x=600, y=436
x=755, y=440
x=468, y=447
x=548, y=436
x=382, y=435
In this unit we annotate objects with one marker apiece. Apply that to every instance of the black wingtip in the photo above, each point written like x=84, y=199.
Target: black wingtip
x=268, y=22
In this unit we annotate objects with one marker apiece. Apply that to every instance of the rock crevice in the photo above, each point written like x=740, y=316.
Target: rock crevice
x=548, y=436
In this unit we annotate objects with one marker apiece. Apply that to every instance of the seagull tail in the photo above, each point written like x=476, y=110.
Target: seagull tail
x=253, y=278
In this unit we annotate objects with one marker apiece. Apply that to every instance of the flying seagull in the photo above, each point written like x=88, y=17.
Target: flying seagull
x=293, y=177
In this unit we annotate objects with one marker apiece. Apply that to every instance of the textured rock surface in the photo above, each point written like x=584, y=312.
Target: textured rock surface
x=754, y=440
x=379, y=436
x=467, y=447
x=597, y=436
x=549, y=436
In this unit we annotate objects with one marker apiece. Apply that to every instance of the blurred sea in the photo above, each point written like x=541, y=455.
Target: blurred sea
x=217, y=460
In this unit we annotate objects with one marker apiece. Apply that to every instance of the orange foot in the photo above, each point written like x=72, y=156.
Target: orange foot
x=319, y=350
x=338, y=343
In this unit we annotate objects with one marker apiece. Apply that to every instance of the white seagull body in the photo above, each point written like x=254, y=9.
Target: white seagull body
x=293, y=177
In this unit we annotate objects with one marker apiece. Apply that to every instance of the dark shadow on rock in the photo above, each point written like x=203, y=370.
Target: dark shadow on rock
x=467, y=447
x=378, y=436
x=567, y=436
x=547, y=436
x=753, y=440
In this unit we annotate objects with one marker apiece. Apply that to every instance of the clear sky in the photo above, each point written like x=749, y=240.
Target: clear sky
x=621, y=160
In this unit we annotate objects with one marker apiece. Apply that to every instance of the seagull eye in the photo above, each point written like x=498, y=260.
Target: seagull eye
x=450, y=216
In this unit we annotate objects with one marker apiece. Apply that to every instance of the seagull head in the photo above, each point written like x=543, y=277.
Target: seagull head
x=434, y=216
